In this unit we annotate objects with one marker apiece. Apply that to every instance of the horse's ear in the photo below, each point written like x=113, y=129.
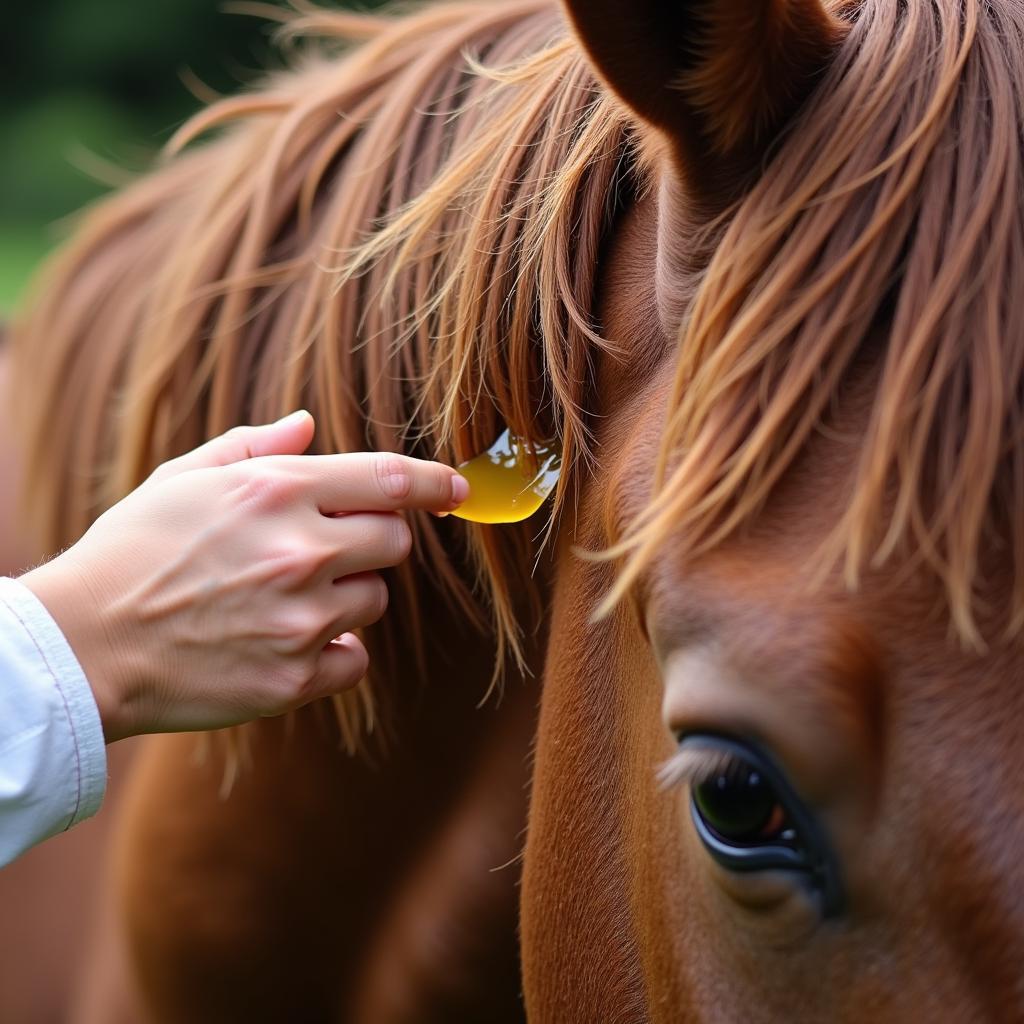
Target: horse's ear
x=718, y=78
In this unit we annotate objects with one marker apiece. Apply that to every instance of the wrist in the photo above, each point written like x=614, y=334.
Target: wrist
x=89, y=624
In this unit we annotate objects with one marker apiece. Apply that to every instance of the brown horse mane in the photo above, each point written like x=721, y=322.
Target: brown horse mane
x=249, y=276
x=887, y=228
x=440, y=196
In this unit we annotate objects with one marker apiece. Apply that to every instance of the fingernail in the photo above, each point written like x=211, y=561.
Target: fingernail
x=460, y=489
x=292, y=417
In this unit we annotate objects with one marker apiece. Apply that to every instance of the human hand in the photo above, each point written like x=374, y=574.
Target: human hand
x=213, y=593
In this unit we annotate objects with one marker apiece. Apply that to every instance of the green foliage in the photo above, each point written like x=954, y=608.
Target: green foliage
x=21, y=248
x=95, y=82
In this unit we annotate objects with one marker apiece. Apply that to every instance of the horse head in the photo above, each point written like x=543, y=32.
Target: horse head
x=776, y=766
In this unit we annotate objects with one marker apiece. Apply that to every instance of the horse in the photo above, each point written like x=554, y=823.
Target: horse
x=781, y=712
x=753, y=265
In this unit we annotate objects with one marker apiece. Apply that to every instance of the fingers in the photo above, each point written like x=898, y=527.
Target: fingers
x=342, y=659
x=351, y=603
x=366, y=541
x=329, y=658
x=376, y=481
x=288, y=436
x=342, y=664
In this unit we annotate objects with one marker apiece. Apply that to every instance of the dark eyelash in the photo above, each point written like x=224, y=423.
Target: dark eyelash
x=696, y=765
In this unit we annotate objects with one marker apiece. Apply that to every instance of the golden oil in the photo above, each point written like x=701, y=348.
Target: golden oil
x=508, y=482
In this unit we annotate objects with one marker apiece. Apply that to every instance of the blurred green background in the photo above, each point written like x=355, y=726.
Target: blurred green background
x=89, y=83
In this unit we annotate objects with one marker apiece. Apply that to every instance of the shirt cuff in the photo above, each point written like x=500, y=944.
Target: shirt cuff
x=58, y=661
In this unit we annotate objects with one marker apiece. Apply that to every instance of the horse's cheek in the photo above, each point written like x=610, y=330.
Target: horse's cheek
x=579, y=954
x=605, y=880
x=664, y=881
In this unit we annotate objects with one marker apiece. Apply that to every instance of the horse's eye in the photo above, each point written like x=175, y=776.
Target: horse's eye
x=749, y=817
x=740, y=806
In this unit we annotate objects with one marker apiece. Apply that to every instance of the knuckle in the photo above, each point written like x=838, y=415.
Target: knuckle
x=162, y=472
x=295, y=682
x=233, y=444
x=360, y=665
x=252, y=488
x=303, y=560
x=266, y=487
x=298, y=562
x=365, y=602
x=291, y=562
x=294, y=629
x=377, y=598
x=392, y=476
x=322, y=558
x=399, y=540
x=340, y=677
x=302, y=674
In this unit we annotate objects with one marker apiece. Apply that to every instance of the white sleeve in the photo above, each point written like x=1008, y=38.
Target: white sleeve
x=53, y=761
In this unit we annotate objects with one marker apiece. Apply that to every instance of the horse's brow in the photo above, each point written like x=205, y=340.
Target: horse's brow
x=831, y=645
x=688, y=623
x=805, y=655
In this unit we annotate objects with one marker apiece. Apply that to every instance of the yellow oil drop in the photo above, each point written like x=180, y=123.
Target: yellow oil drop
x=508, y=483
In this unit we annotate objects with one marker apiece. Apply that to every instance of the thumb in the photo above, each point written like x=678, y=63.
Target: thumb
x=288, y=436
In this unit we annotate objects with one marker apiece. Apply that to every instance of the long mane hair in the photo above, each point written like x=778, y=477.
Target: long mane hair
x=404, y=241
x=398, y=239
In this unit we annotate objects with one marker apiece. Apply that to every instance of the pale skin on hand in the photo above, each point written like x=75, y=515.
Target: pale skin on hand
x=227, y=586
